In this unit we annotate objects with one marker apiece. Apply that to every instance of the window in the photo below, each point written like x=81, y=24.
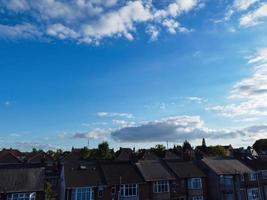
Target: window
x=242, y=178
x=194, y=183
x=161, y=186
x=253, y=177
x=100, y=192
x=228, y=197
x=197, y=198
x=253, y=194
x=85, y=193
x=264, y=174
x=21, y=196
x=128, y=190
x=113, y=190
x=227, y=180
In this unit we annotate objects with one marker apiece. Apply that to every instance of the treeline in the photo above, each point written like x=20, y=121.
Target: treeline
x=185, y=151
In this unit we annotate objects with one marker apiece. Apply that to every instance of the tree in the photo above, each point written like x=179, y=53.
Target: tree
x=260, y=145
x=218, y=151
x=104, y=151
x=49, y=194
x=159, y=150
x=204, y=143
x=186, y=146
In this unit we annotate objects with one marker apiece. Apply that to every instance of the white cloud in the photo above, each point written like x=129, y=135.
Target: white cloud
x=97, y=133
x=179, y=128
x=153, y=31
x=254, y=17
x=29, y=145
x=243, y=4
x=115, y=114
x=62, y=32
x=89, y=21
x=250, y=93
x=19, y=31
x=198, y=100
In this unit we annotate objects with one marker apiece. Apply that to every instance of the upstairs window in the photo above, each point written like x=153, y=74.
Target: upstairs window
x=161, y=186
x=253, y=194
x=197, y=198
x=227, y=180
x=84, y=193
x=21, y=196
x=113, y=190
x=242, y=177
x=128, y=190
x=194, y=183
x=253, y=177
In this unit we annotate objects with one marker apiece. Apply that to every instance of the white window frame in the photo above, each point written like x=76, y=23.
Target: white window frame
x=22, y=196
x=129, y=190
x=253, y=176
x=251, y=194
x=195, y=183
x=197, y=198
x=84, y=191
x=161, y=186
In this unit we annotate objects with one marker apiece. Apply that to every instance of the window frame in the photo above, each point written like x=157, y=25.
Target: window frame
x=161, y=186
x=194, y=183
x=253, y=176
x=129, y=190
x=22, y=196
x=250, y=191
x=80, y=193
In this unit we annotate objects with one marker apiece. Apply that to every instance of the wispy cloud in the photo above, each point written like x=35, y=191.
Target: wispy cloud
x=97, y=133
x=115, y=114
x=86, y=21
x=29, y=145
x=251, y=92
x=254, y=17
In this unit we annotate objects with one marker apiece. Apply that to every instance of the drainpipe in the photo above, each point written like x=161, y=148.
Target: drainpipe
x=258, y=181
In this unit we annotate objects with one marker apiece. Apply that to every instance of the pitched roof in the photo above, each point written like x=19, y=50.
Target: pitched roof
x=7, y=157
x=82, y=174
x=149, y=155
x=171, y=155
x=226, y=165
x=154, y=170
x=116, y=172
x=35, y=157
x=21, y=179
x=125, y=154
x=185, y=169
x=255, y=164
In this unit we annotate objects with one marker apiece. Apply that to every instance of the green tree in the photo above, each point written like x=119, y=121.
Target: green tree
x=260, y=145
x=104, y=151
x=49, y=194
x=218, y=151
x=159, y=150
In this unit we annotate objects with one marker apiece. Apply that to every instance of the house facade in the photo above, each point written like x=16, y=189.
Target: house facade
x=229, y=179
x=191, y=182
x=23, y=183
x=158, y=179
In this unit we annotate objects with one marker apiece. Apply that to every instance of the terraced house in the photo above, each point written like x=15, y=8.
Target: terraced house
x=229, y=179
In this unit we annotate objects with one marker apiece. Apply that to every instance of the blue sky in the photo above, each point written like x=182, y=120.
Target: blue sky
x=134, y=73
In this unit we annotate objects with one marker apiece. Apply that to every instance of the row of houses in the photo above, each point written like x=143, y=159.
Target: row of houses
x=148, y=178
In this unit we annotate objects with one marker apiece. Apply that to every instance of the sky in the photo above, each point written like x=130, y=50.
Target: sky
x=134, y=73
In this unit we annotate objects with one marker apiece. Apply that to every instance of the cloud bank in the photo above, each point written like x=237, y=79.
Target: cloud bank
x=90, y=21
